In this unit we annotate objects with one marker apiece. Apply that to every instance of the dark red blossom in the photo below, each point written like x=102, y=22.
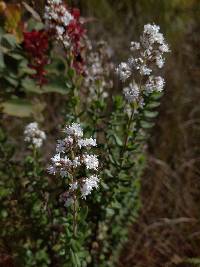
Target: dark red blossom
x=76, y=32
x=36, y=45
x=78, y=64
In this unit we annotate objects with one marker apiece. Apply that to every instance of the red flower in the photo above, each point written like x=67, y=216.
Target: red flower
x=36, y=45
x=78, y=64
x=76, y=33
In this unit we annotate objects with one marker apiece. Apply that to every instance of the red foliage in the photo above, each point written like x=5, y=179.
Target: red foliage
x=6, y=260
x=36, y=45
x=76, y=33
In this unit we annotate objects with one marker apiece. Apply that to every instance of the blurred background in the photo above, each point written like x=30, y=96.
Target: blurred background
x=167, y=232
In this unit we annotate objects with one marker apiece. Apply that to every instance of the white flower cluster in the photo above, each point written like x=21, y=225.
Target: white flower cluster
x=147, y=57
x=154, y=83
x=89, y=184
x=98, y=71
x=131, y=93
x=73, y=159
x=33, y=135
x=57, y=18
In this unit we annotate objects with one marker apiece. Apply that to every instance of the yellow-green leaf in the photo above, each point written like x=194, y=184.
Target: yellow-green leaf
x=17, y=107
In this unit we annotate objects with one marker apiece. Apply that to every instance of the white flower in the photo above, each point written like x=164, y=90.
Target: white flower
x=164, y=48
x=76, y=162
x=62, y=145
x=134, y=46
x=66, y=18
x=152, y=34
x=132, y=92
x=144, y=70
x=89, y=184
x=160, y=61
x=66, y=42
x=98, y=72
x=34, y=135
x=63, y=172
x=148, y=54
x=56, y=2
x=72, y=163
x=151, y=29
x=91, y=161
x=133, y=64
x=74, y=130
x=88, y=142
x=73, y=186
x=66, y=162
x=154, y=84
x=69, y=201
x=52, y=169
x=60, y=30
x=57, y=17
x=159, y=83
x=56, y=159
x=37, y=142
x=123, y=71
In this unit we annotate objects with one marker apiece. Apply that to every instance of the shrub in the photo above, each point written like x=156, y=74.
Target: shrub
x=76, y=211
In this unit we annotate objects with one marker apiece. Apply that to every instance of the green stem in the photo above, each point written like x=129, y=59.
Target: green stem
x=126, y=137
x=74, y=215
x=74, y=212
x=35, y=161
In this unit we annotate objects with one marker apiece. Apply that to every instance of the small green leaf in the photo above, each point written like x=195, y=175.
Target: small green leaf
x=110, y=212
x=12, y=81
x=73, y=258
x=9, y=41
x=17, y=107
x=118, y=102
x=30, y=86
x=16, y=56
x=108, y=173
x=54, y=88
x=150, y=114
x=156, y=95
x=147, y=125
x=4, y=192
x=35, y=15
x=152, y=105
x=2, y=64
x=118, y=140
x=113, y=160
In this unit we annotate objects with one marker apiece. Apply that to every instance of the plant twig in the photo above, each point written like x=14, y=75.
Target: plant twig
x=74, y=215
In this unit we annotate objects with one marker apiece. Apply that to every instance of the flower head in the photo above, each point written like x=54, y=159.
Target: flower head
x=72, y=160
x=65, y=25
x=34, y=135
x=147, y=57
x=91, y=162
x=154, y=84
x=88, y=142
x=88, y=185
x=124, y=71
x=97, y=80
x=131, y=93
x=74, y=130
